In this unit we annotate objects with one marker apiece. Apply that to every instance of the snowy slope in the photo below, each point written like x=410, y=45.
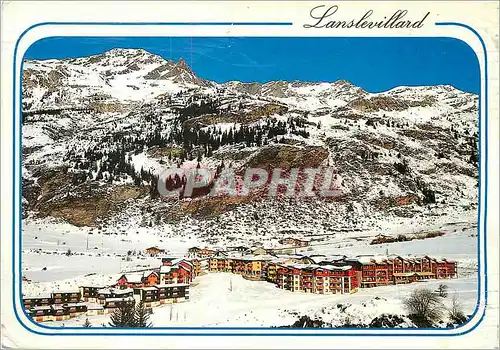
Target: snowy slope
x=407, y=157
x=248, y=303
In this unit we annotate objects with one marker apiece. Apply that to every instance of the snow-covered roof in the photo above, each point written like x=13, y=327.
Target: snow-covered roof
x=379, y=259
x=303, y=239
x=134, y=277
x=105, y=291
x=149, y=273
x=172, y=285
x=74, y=304
x=318, y=259
x=37, y=297
x=282, y=256
x=176, y=261
x=315, y=266
x=335, y=257
x=332, y=267
x=296, y=256
x=44, y=307
x=253, y=249
x=187, y=262
x=123, y=291
x=165, y=269
x=66, y=291
x=120, y=299
x=279, y=260
x=92, y=306
x=263, y=257
x=223, y=257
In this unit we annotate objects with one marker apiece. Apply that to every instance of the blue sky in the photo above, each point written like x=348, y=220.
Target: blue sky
x=375, y=64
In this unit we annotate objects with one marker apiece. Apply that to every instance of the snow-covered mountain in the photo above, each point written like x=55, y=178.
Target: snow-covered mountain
x=97, y=131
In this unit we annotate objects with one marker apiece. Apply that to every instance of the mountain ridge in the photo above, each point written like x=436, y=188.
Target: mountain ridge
x=406, y=152
x=120, y=52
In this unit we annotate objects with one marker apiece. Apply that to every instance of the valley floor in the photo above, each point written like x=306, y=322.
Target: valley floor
x=261, y=304
x=227, y=300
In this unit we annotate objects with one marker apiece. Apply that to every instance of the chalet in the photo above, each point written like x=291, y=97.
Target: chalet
x=89, y=293
x=130, y=280
x=75, y=309
x=381, y=271
x=122, y=293
x=381, y=237
x=169, y=260
x=288, y=277
x=294, y=242
x=42, y=300
x=177, y=270
x=193, y=252
x=178, y=291
x=239, y=249
x=318, y=258
x=152, y=278
x=335, y=279
x=213, y=264
x=62, y=297
x=153, y=251
x=95, y=309
x=99, y=97
x=40, y=311
x=259, y=251
x=447, y=268
x=59, y=312
x=196, y=267
x=172, y=293
x=185, y=269
x=107, y=293
x=328, y=260
x=374, y=271
x=167, y=274
x=221, y=264
x=205, y=253
x=317, y=279
x=300, y=259
x=118, y=302
x=272, y=269
x=163, y=293
x=104, y=294
x=149, y=295
x=220, y=253
x=252, y=267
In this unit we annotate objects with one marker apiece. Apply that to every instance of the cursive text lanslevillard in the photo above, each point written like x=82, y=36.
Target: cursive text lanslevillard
x=323, y=17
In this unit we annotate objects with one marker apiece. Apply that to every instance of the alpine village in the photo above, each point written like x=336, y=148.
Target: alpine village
x=298, y=273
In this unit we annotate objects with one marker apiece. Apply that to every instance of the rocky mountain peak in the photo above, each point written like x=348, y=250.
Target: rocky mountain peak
x=183, y=65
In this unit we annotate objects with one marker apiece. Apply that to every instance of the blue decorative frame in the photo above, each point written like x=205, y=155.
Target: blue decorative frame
x=276, y=332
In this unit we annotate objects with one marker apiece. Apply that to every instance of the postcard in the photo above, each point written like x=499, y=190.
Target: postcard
x=250, y=174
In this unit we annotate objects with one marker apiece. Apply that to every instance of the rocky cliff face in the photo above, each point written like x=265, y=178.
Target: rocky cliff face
x=98, y=130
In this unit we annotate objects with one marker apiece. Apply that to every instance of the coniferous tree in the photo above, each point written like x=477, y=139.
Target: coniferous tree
x=141, y=317
x=123, y=316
